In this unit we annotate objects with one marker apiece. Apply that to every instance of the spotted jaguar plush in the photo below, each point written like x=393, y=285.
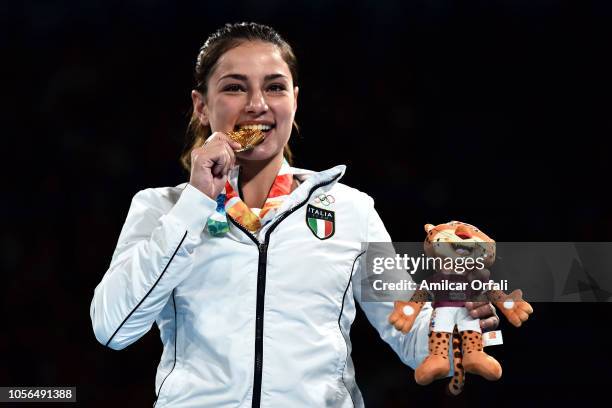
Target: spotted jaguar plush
x=451, y=321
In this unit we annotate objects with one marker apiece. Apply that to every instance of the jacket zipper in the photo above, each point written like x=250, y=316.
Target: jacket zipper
x=261, y=289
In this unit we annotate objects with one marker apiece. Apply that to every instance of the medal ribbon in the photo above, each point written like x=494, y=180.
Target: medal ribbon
x=229, y=202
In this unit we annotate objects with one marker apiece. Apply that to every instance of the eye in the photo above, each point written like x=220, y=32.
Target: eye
x=276, y=88
x=234, y=88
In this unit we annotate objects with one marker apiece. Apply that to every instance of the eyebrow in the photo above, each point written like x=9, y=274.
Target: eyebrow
x=242, y=77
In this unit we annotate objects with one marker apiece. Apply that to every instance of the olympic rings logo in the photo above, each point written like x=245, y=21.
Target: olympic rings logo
x=324, y=199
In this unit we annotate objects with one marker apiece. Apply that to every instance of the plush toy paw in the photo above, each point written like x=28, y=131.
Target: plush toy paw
x=404, y=314
x=432, y=368
x=515, y=308
x=480, y=363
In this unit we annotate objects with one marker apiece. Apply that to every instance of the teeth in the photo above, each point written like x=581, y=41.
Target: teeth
x=256, y=127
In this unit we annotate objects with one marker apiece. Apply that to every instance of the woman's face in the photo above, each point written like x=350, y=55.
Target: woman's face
x=251, y=85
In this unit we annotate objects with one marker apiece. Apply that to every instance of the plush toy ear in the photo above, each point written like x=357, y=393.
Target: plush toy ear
x=429, y=227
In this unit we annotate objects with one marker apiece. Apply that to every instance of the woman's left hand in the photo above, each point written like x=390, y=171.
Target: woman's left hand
x=484, y=311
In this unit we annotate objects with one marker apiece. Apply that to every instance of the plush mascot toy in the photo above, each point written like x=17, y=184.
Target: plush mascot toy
x=450, y=319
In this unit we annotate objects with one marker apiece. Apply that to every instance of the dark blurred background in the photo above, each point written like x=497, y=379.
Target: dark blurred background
x=491, y=112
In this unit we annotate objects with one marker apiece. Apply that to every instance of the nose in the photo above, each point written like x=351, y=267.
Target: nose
x=463, y=232
x=257, y=103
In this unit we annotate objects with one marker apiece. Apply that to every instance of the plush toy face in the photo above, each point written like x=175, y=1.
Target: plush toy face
x=457, y=239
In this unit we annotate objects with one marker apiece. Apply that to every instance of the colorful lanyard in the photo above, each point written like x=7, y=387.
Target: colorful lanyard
x=229, y=202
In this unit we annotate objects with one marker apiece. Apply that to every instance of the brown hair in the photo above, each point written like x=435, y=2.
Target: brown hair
x=217, y=44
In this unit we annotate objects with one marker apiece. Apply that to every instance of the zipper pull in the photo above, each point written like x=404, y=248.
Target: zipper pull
x=263, y=247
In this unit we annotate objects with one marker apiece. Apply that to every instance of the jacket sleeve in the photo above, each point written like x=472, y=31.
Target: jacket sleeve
x=153, y=255
x=411, y=347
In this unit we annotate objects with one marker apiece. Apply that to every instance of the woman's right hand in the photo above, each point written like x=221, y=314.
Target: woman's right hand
x=211, y=164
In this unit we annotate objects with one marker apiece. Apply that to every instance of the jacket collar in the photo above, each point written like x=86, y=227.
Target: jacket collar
x=311, y=184
x=319, y=177
x=309, y=180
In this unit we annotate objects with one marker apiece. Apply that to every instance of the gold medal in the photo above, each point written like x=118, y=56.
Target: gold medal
x=248, y=138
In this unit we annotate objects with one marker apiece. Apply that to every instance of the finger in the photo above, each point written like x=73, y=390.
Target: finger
x=213, y=138
x=514, y=320
x=393, y=317
x=218, y=168
x=221, y=143
x=216, y=141
x=232, y=144
x=227, y=165
x=489, y=324
x=516, y=295
x=397, y=311
x=406, y=326
x=232, y=155
x=194, y=158
x=522, y=315
x=195, y=152
x=483, y=311
x=473, y=305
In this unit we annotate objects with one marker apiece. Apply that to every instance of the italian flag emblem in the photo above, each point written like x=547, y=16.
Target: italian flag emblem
x=320, y=221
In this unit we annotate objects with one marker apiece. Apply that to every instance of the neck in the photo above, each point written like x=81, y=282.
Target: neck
x=256, y=179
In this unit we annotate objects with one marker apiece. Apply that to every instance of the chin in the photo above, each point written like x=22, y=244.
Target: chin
x=266, y=150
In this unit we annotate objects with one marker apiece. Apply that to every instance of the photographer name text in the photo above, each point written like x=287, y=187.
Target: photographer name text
x=443, y=285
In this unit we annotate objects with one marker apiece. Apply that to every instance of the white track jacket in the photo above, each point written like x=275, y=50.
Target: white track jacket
x=249, y=320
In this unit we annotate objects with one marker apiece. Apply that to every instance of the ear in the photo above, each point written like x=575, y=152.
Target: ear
x=296, y=90
x=429, y=227
x=199, y=106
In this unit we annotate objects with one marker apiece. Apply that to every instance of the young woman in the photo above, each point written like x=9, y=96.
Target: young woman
x=247, y=269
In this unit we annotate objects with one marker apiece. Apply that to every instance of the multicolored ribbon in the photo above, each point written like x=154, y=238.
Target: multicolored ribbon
x=229, y=202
